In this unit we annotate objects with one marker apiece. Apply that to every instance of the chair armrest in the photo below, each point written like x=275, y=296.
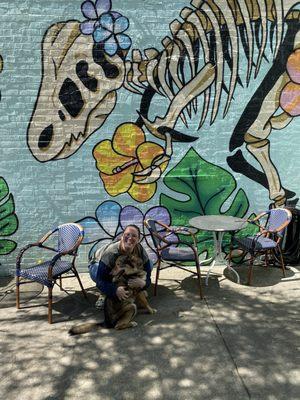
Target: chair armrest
x=184, y=230
x=255, y=222
x=52, y=263
x=23, y=250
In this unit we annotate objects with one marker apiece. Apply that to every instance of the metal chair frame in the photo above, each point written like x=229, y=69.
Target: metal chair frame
x=51, y=279
x=275, y=235
x=161, y=243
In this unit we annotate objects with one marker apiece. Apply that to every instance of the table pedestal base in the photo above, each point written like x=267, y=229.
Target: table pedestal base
x=219, y=256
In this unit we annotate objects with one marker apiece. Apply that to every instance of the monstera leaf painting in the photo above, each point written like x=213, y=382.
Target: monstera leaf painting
x=8, y=219
x=202, y=189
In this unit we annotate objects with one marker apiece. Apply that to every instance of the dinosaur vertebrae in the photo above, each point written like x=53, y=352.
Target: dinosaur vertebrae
x=219, y=28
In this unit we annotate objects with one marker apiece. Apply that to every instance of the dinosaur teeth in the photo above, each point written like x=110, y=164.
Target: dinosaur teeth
x=74, y=138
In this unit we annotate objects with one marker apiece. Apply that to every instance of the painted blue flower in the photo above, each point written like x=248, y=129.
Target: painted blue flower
x=111, y=220
x=106, y=26
x=103, y=229
x=110, y=33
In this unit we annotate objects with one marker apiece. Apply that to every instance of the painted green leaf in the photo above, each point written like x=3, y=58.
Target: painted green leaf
x=8, y=225
x=202, y=189
x=7, y=208
x=7, y=246
x=3, y=188
x=8, y=218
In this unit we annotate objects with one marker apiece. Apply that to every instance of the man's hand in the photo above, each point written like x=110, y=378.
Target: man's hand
x=136, y=283
x=122, y=293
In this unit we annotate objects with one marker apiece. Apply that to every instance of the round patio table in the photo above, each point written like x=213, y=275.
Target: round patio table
x=218, y=225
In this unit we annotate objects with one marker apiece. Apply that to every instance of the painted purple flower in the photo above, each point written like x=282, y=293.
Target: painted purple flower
x=106, y=26
x=132, y=215
x=111, y=220
x=92, y=12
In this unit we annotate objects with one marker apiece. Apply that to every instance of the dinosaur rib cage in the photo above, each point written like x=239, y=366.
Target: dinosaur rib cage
x=219, y=28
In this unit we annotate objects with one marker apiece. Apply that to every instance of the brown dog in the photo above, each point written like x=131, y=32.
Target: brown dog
x=119, y=314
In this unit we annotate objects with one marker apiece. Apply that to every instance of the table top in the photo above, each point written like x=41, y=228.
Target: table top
x=218, y=223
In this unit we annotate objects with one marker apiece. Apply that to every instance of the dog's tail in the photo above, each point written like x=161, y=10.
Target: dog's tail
x=87, y=327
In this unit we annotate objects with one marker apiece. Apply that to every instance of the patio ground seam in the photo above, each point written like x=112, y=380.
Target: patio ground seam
x=228, y=350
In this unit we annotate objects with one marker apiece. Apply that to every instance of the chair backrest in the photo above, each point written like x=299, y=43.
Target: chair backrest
x=277, y=218
x=69, y=237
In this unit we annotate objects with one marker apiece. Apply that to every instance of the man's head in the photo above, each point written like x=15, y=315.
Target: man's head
x=130, y=238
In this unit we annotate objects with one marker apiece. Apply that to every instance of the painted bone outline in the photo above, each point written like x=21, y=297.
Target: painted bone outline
x=257, y=143
x=138, y=71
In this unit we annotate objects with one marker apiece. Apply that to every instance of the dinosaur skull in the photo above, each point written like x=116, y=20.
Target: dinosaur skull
x=77, y=92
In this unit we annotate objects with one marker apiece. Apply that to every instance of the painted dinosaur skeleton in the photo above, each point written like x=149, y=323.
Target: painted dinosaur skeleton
x=79, y=82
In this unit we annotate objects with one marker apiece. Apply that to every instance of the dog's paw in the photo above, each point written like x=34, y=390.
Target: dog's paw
x=152, y=311
x=130, y=324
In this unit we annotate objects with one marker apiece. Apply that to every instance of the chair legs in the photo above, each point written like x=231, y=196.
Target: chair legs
x=18, y=292
x=199, y=278
x=80, y=283
x=157, y=276
x=267, y=260
x=281, y=261
x=50, y=305
x=250, y=271
x=50, y=296
x=49, y=299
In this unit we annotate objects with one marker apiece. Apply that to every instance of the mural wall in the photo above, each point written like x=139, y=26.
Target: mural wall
x=114, y=111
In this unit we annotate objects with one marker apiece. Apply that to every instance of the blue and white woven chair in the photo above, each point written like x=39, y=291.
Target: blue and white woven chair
x=68, y=236
x=267, y=241
x=171, y=251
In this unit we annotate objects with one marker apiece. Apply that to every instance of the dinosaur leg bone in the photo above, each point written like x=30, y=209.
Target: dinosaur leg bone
x=258, y=144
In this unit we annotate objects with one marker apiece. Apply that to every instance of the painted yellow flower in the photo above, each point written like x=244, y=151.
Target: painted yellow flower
x=123, y=156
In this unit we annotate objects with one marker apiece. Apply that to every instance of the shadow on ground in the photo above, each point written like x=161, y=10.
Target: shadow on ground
x=238, y=343
x=262, y=276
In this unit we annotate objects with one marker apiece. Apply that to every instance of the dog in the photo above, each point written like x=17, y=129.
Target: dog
x=119, y=314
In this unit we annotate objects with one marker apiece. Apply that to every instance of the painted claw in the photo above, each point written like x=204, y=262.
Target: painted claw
x=148, y=175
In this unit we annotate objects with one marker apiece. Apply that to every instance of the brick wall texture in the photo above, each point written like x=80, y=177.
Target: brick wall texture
x=136, y=109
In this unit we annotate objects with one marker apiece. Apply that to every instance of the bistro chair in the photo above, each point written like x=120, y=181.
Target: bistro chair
x=171, y=251
x=66, y=239
x=267, y=242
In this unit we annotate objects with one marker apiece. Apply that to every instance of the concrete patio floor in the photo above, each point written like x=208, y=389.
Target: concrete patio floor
x=239, y=342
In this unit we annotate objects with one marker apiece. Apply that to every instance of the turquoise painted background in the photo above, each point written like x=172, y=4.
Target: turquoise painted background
x=70, y=189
